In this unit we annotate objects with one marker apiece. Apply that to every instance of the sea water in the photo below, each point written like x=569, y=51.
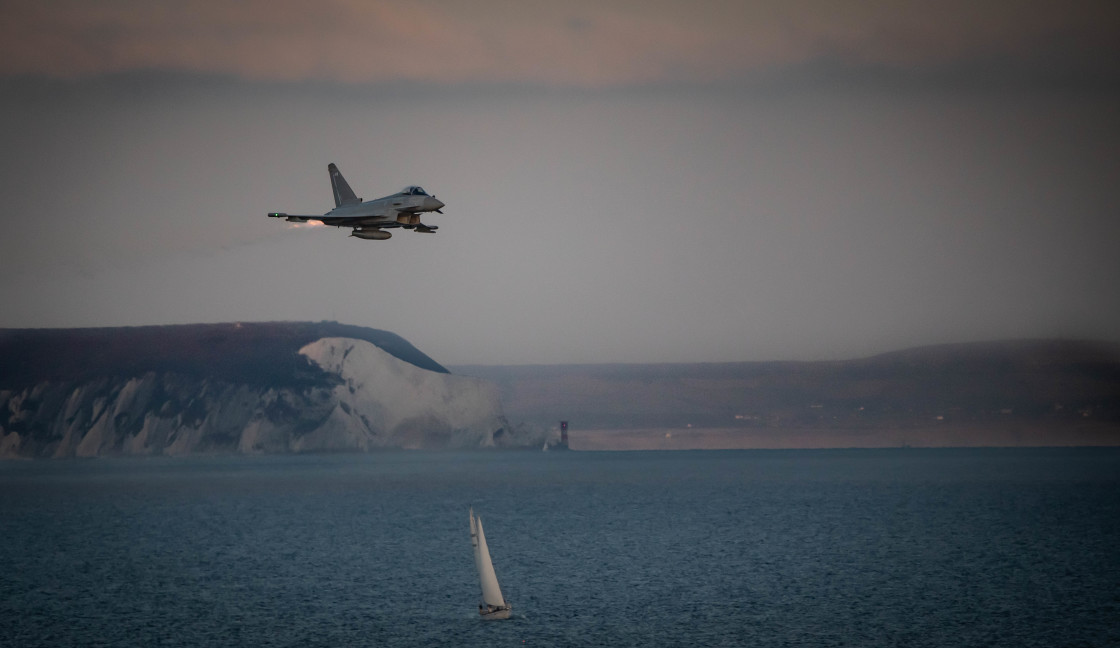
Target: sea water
x=908, y=547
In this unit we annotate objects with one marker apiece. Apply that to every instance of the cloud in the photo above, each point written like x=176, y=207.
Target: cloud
x=579, y=43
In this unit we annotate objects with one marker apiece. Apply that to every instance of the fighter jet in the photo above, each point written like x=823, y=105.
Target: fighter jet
x=370, y=219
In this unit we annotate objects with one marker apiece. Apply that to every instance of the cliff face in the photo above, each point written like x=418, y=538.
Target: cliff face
x=364, y=399
x=383, y=401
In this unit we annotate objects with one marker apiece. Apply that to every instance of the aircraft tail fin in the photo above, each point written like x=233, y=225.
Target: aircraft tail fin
x=343, y=194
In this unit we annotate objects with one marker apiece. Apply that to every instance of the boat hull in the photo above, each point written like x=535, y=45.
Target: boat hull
x=496, y=615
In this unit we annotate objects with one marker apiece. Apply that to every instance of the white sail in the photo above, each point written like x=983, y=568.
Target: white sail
x=491, y=593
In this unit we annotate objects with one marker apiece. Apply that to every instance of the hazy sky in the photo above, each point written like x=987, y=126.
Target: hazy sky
x=625, y=181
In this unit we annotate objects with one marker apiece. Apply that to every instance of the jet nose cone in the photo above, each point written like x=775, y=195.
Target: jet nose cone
x=432, y=204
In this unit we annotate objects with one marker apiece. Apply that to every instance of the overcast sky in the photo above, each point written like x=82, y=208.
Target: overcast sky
x=625, y=181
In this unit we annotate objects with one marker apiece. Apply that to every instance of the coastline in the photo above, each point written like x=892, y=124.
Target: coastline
x=1012, y=435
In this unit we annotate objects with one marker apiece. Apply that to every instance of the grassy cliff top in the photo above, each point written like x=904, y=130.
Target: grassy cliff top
x=264, y=353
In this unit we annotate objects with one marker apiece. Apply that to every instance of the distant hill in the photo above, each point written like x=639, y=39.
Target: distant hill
x=309, y=387
x=1051, y=381
x=257, y=353
x=236, y=388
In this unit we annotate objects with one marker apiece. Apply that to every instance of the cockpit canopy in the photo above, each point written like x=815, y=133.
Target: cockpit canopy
x=413, y=191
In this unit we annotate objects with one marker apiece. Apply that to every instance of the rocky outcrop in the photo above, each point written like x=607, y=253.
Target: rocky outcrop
x=365, y=399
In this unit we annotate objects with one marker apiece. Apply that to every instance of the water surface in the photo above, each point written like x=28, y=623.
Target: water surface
x=978, y=547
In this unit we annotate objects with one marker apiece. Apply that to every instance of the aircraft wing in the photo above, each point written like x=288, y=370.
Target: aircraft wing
x=357, y=222
x=337, y=221
x=295, y=218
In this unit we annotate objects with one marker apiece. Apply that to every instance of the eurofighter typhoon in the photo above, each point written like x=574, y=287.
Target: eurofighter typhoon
x=370, y=219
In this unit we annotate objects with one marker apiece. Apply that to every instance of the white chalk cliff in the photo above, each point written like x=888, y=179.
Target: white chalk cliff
x=367, y=400
x=386, y=402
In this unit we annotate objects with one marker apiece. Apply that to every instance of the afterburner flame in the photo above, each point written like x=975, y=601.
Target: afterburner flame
x=306, y=225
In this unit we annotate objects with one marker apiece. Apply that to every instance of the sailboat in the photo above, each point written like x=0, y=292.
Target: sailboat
x=493, y=606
